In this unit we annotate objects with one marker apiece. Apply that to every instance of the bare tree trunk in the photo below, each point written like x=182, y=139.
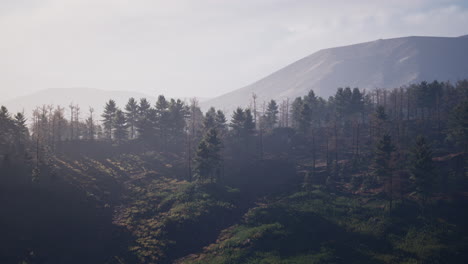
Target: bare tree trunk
x=357, y=140
x=189, y=156
x=407, y=106
x=327, y=147
x=336, y=143
x=313, y=152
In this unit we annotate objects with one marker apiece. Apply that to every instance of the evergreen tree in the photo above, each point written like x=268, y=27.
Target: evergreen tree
x=202, y=161
x=161, y=104
x=176, y=121
x=271, y=115
x=342, y=101
x=243, y=126
x=146, y=120
x=21, y=128
x=131, y=114
x=162, y=119
x=109, y=116
x=357, y=101
x=379, y=121
x=208, y=158
x=120, y=124
x=383, y=156
x=384, y=163
x=221, y=121
x=209, y=121
x=237, y=123
x=305, y=118
x=458, y=125
x=296, y=112
x=249, y=124
x=6, y=128
x=422, y=167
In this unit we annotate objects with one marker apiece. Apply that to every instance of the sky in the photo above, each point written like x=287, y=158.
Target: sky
x=186, y=48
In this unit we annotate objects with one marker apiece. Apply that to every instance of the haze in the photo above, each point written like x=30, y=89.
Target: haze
x=191, y=48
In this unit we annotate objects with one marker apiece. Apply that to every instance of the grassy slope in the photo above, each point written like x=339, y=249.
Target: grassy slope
x=173, y=219
x=317, y=227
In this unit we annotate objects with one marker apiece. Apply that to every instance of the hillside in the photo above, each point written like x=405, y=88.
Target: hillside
x=390, y=187
x=387, y=63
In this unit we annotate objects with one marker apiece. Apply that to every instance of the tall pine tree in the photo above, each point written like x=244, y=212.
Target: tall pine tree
x=422, y=167
x=109, y=116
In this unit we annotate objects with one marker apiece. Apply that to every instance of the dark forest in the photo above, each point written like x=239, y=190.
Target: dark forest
x=375, y=176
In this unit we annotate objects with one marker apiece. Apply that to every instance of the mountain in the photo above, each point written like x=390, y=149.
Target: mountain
x=384, y=63
x=84, y=97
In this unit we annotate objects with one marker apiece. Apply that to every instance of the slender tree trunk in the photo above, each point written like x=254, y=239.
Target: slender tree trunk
x=336, y=143
x=261, y=143
x=391, y=191
x=326, y=152
x=189, y=156
x=313, y=152
x=357, y=140
x=407, y=106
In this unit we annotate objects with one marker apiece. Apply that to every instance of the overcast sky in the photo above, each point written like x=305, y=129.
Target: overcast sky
x=192, y=47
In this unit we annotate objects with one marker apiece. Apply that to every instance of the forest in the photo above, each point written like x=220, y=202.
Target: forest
x=374, y=176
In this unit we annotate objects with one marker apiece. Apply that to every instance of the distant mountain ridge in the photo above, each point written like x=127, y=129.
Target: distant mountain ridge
x=384, y=63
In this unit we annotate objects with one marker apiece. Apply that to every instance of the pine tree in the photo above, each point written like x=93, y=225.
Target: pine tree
x=237, y=123
x=120, y=131
x=422, y=167
x=6, y=129
x=109, y=116
x=162, y=120
x=305, y=118
x=220, y=120
x=296, y=108
x=209, y=121
x=146, y=120
x=21, y=128
x=131, y=114
x=208, y=158
x=383, y=157
x=357, y=101
x=342, y=101
x=271, y=115
x=379, y=121
x=249, y=124
x=458, y=125
x=384, y=163
x=176, y=122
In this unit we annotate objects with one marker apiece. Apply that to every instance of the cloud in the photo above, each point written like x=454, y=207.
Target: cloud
x=183, y=47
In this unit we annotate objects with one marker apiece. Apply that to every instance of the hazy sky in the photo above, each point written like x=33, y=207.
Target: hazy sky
x=192, y=47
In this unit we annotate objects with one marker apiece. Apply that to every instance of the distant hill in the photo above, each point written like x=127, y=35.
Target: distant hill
x=84, y=97
x=384, y=63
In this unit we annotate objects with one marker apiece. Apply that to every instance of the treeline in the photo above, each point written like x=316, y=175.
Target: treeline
x=14, y=133
x=343, y=132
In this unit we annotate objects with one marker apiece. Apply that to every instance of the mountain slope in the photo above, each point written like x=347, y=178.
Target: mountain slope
x=378, y=64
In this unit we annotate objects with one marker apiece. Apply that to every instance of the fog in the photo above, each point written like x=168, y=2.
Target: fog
x=187, y=48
